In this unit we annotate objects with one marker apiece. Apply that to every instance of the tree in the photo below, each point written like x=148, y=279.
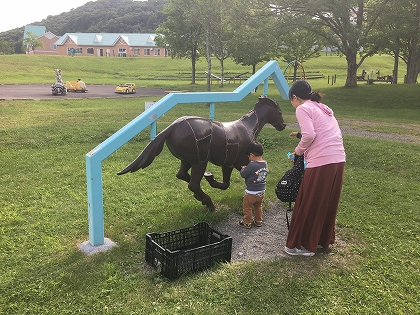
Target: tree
x=31, y=41
x=6, y=48
x=209, y=22
x=182, y=31
x=410, y=50
x=343, y=23
x=253, y=37
x=296, y=44
x=397, y=33
x=221, y=34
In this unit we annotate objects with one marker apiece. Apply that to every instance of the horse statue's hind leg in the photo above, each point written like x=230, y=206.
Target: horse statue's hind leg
x=193, y=180
x=197, y=172
x=183, y=172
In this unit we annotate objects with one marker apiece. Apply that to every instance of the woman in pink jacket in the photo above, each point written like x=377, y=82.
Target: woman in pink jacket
x=315, y=209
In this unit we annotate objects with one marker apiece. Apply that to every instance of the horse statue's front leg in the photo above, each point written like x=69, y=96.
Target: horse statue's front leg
x=197, y=172
x=227, y=172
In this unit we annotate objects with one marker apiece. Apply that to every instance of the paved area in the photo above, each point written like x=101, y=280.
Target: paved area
x=43, y=92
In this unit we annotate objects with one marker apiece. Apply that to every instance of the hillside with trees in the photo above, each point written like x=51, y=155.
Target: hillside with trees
x=105, y=16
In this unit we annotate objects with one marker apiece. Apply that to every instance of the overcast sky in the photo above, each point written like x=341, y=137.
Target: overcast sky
x=17, y=13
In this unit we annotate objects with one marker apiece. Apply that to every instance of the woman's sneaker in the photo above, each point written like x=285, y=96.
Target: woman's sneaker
x=298, y=252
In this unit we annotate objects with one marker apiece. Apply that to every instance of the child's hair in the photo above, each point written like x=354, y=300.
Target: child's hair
x=303, y=90
x=255, y=148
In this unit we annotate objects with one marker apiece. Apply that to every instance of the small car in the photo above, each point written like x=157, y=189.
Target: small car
x=126, y=88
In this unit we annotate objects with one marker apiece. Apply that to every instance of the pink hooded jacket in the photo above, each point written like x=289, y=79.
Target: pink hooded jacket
x=321, y=142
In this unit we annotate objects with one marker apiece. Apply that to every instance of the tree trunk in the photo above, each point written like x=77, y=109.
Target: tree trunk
x=295, y=66
x=395, y=71
x=208, y=74
x=413, y=63
x=222, y=70
x=193, y=58
x=208, y=25
x=351, y=69
x=412, y=70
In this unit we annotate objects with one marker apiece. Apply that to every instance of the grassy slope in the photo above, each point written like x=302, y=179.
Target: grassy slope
x=19, y=69
x=373, y=269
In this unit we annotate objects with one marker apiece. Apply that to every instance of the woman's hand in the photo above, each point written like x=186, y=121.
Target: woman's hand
x=291, y=156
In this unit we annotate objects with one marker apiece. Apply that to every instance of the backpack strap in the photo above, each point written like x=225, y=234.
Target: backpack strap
x=287, y=217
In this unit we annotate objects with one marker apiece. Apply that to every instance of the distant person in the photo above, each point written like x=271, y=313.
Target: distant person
x=315, y=210
x=255, y=174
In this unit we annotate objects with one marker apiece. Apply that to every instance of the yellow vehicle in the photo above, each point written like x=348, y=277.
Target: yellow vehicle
x=76, y=86
x=126, y=88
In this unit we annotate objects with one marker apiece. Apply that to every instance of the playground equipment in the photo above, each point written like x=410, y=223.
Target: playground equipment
x=76, y=86
x=58, y=88
x=296, y=64
x=385, y=78
x=361, y=77
x=148, y=118
x=235, y=77
x=215, y=76
x=197, y=141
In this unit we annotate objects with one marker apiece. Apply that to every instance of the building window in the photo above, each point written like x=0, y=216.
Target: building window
x=90, y=51
x=73, y=51
x=136, y=51
x=53, y=47
x=167, y=52
x=156, y=52
x=122, y=52
x=147, y=51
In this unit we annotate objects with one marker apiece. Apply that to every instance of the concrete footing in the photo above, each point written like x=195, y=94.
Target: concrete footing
x=89, y=249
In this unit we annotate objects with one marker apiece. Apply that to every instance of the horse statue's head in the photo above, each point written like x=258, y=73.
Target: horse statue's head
x=273, y=116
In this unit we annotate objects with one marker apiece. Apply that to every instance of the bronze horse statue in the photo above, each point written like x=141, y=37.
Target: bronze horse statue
x=196, y=141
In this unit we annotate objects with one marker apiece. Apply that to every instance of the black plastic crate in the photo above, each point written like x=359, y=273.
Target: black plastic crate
x=187, y=250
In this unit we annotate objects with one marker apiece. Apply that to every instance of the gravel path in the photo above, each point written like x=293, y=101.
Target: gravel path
x=258, y=243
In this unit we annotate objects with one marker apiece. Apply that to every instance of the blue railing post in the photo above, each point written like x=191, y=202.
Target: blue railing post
x=266, y=87
x=95, y=203
x=212, y=109
x=153, y=129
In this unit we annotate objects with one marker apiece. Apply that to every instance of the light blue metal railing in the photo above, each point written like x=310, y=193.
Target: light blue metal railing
x=148, y=118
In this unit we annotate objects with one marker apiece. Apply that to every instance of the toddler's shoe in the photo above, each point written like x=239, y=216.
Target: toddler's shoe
x=258, y=223
x=244, y=225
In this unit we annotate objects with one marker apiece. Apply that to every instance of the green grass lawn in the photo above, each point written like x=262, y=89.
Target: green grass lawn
x=37, y=69
x=373, y=268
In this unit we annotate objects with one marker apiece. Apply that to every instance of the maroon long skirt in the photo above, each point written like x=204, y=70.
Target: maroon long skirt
x=315, y=210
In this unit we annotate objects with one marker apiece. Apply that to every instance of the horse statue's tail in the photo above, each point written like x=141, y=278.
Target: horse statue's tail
x=149, y=153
